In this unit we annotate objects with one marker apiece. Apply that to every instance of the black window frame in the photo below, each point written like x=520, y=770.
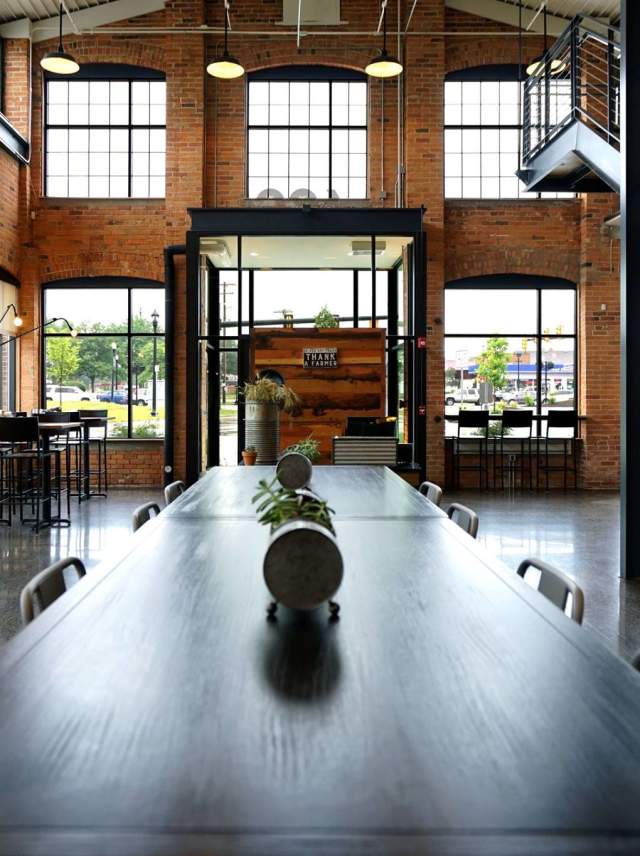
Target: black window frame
x=117, y=283
x=525, y=282
x=310, y=74
x=494, y=73
x=91, y=72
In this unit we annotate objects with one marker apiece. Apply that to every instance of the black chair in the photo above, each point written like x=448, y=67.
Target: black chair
x=464, y=517
x=518, y=448
x=173, y=491
x=98, y=440
x=431, y=491
x=559, y=420
x=28, y=468
x=47, y=587
x=473, y=446
x=143, y=514
x=69, y=444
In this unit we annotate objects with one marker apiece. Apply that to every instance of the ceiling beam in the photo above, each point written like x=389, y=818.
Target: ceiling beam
x=507, y=13
x=84, y=19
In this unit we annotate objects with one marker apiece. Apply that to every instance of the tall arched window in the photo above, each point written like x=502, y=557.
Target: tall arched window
x=105, y=133
x=307, y=133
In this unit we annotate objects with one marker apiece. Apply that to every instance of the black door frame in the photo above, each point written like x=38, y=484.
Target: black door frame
x=306, y=221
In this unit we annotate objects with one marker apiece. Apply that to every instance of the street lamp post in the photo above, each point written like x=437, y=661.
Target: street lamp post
x=518, y=356
x=114, y=357
x=154, y=320
x=117, y=367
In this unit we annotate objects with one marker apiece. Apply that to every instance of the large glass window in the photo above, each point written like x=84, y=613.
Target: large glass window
x=482, y=134
x=105, y=137
x=117, y=359
x=307, y=137
x=519, y=337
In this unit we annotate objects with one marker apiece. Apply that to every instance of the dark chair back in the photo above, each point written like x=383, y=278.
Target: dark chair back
x=173, y=491
x=19, y=429
x=369, y=426
x=47, y=587
x=464, y=517
x=562, y=419
x=143, y=514
x=512, y=418
x=56, y=418
x=432, y=491
x=87, y=414
x=473, y=419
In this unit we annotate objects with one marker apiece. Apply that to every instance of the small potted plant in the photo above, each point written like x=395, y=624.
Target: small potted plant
x=264, y=399
x=303, y=566
x=249, y=456
x=295, y=467
x=325, y=319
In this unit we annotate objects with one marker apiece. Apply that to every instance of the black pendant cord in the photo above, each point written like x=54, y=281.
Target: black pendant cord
x=60, y=38
x=226, y=24
x=384, y=30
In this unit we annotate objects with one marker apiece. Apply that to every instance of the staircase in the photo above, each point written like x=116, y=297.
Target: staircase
x=571, y=113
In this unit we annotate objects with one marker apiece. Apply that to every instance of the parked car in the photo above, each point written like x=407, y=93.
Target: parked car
x=68, y=393
x=468, y=396
x=121, y=396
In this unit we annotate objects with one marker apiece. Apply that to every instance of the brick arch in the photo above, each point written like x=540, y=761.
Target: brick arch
x=301, y=61
x=107, y=49
x=116, y=264
x=539, y=261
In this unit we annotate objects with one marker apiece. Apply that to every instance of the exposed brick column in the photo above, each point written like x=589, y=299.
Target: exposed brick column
x=599, y=343
x=424, y=93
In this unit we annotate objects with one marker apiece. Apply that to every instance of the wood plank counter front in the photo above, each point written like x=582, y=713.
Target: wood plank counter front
x=356, y=387
x=452, y=710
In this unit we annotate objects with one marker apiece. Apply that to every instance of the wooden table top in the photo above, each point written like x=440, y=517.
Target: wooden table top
x=58, y=426
x=357, y=492
x=153, y=710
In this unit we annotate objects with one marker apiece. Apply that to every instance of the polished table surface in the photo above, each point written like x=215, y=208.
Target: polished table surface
x=154, y=710
x=352, y=492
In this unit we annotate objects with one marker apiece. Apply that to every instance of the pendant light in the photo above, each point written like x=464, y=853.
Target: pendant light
x=537, y=66
x=384, y=64
x=225, y=67
x=59, y=62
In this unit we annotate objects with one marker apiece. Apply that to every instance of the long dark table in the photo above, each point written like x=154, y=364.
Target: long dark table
x=154, y=710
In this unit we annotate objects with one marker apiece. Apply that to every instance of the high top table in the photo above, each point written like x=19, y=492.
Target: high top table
x=452, y=710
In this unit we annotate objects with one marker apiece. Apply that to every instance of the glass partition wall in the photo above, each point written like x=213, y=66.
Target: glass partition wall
x=251, y=281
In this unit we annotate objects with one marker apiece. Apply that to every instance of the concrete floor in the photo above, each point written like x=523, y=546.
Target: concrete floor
x=577, y=532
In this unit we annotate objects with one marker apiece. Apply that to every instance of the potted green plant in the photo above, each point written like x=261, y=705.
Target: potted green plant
x=264, y=400
x=295, y=467
x=325, y=319
x=249, y=456
x=309, y=447
x=303, y=566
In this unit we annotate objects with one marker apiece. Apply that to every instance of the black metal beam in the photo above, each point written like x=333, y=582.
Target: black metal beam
x=192, y=435
x=169, y=356
x=629, y=292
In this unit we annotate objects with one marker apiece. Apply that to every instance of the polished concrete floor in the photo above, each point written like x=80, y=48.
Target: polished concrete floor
x=98, y=527
x=577, y=532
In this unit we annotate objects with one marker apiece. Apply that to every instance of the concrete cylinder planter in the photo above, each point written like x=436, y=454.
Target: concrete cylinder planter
x=294, y=470
x=262, y=430
x=303, y=566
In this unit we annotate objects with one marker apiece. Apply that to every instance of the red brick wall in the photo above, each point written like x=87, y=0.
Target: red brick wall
x=206, y=165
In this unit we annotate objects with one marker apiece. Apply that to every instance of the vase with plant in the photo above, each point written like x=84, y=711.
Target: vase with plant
x=264, y=400
x=303, y=566
x=309, y=447
x=249, y=456
x=325, y=319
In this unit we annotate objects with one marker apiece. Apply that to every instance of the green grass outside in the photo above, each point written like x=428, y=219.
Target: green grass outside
x=120, y=412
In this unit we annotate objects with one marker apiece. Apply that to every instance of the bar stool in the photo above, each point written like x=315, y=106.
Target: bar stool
x=563, y=420
x=68, y=444
x=478, y=419
x=26, y=461
x=515, y=420
x=99, y=441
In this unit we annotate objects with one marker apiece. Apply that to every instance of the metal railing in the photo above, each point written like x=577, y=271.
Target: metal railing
x=577, y=79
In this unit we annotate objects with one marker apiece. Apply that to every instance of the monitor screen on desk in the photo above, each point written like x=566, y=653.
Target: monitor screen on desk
x=369, y=426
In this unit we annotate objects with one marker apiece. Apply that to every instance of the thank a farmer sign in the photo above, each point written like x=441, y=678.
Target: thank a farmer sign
x=320, y=358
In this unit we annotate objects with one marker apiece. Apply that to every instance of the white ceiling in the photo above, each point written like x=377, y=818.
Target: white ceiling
x=559, y=12
x=298, y=253
x=38, y=19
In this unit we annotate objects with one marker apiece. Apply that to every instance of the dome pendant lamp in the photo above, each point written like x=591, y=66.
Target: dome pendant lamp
x=225, y=67
x=59, y=62
x=537, y=66
x=384, y=64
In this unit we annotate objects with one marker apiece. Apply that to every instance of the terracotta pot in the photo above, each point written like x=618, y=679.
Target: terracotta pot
x=249, y=458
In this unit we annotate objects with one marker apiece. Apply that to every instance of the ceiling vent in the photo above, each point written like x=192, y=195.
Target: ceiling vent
x=363, y=248
x=321, y=12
